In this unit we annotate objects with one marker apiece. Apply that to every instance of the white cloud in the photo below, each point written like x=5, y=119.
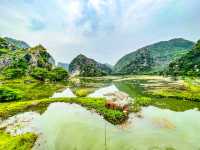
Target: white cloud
x=72, y=9
x=113, y=25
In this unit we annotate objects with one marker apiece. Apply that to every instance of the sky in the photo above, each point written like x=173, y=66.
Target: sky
x=104, y=30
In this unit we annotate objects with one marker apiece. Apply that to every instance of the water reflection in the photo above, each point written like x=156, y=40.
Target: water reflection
x=66, y=93
x=71, y=127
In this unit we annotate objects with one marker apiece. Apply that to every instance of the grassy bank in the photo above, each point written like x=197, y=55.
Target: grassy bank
x=97, y=104
x=33, y=89
x=20, y=142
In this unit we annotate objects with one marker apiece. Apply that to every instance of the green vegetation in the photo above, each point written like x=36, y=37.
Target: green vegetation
x=189, y=90
x=20, y=142
x=16, y=63
x=97, y=104
x=12, y=73
x=174, y=96
x=153, y=58
x=18, y=44
x=82, y=92
x=58, y=74
x=33, y=89
x=187, y=65
x=39, y=73
x=8, y=94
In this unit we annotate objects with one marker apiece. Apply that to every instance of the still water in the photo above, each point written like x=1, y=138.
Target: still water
x=72, y=127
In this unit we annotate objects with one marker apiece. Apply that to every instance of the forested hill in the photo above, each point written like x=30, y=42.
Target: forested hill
x=88, y=67
x=153, y=58
x=188, y=64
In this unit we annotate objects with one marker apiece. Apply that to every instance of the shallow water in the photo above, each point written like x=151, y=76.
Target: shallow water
x=103, y=91
x=72, y=127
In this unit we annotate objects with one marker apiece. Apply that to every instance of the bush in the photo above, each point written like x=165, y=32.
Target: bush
x=11, y=73
x=58, y=74
x=39, y=73
x=8, y=94
x=82, y=92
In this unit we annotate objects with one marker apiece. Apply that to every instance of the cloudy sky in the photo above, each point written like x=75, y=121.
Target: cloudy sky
x=101, y=29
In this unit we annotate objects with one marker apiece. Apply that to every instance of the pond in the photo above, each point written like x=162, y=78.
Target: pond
x=72, y=127
x=164, y=124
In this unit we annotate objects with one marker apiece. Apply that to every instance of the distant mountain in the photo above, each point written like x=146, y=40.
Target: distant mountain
x=18, y=44
x=88, y=67
x=5, y=46
x=153, y=58
x=63, y=65
x=109, y=65
x=9, y=44
x=188, y=64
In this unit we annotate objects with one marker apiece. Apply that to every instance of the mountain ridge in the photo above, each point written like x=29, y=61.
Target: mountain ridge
x=153, y=57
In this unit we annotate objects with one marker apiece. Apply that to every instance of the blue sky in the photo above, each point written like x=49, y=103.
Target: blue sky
x=101, y=29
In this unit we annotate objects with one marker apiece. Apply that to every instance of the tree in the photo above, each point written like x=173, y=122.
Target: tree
x=11, y=73
x=39, y=73
x=58, y=74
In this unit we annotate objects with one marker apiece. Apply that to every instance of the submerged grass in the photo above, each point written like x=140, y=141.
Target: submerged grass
x=178, y=101
x=97, y=104
x=188, y=90
x=19, y=142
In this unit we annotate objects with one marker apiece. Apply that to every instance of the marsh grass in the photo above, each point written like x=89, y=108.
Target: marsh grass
x=188, y=90
x=179, y=95
x=19, y=142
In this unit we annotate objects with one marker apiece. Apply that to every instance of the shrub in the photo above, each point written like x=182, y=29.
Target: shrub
x=39, y=73
x=58, y=74
x=11, y=73
x=82, y=92
x=8, y=94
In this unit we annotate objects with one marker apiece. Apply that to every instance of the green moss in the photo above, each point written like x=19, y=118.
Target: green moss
x=20, y=142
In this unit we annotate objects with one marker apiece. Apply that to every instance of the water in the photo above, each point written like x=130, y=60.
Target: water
x=72, y=127
x=66, y=93
x=103, y=91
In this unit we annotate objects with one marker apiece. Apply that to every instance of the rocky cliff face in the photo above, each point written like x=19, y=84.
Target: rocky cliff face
x=39, y=57
x=88, y=67
x=153, y=58
x=24, y=58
